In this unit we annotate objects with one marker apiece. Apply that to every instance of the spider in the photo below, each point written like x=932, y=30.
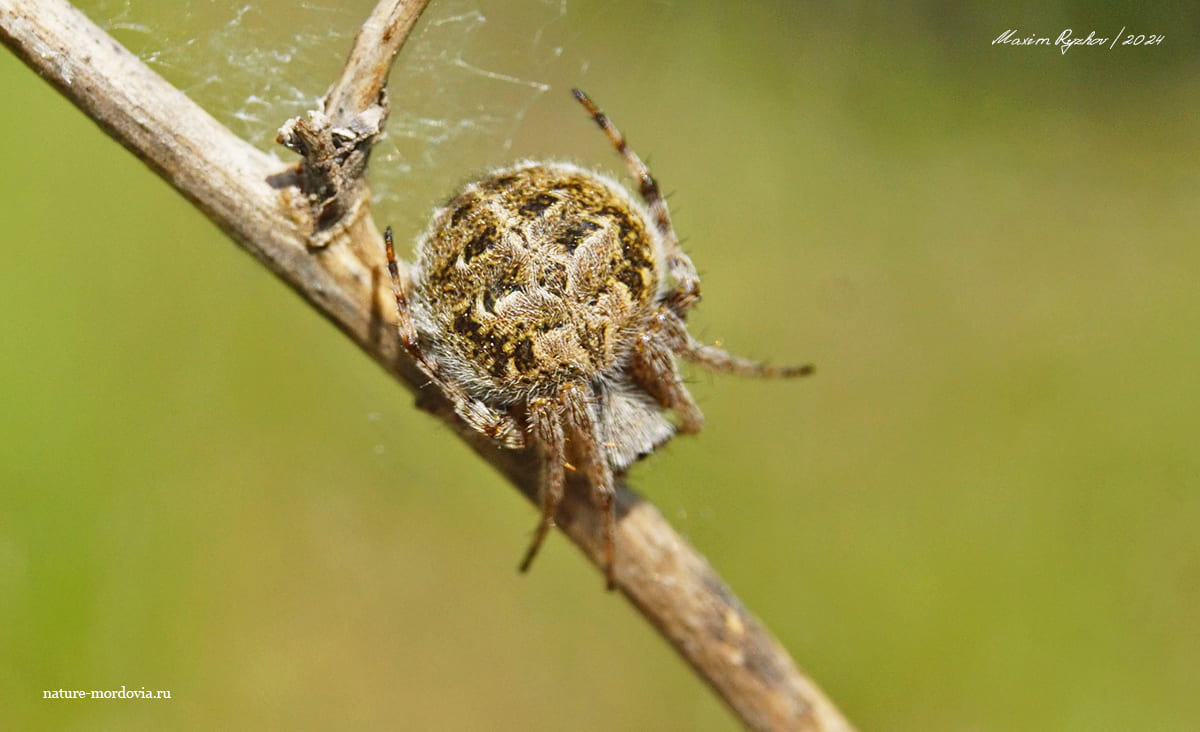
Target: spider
x=549, y=305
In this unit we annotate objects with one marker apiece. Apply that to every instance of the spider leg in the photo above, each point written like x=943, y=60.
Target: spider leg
x=715, y=358
x=718, y=359
x=686, y=292
x=581, y=428
x=546, y=431
x=652, y=365
x=482, y=418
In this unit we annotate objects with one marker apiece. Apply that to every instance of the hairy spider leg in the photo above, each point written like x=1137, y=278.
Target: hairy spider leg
x=682, y=298
x=582, y=430
x=717, y=359
x=686, y=292
x=714, y=358
x=546, y=425
x=479, y=416
x=652, y=365
x=568, y=416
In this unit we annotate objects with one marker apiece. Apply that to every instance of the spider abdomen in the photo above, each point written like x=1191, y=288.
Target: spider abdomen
x=537, y=275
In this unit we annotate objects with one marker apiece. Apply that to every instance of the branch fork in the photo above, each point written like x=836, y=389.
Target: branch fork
x=332, y=168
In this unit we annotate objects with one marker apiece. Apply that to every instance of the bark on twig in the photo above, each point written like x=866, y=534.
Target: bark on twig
x=250, y=196
x=335, y=141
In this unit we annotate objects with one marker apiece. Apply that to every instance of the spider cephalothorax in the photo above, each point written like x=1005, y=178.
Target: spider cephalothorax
x=548, y=305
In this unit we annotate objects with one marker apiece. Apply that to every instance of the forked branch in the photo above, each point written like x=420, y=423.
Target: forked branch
x=335, y=142
x=254, y=200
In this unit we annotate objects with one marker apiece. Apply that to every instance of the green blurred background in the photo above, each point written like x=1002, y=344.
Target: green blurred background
x=982, y=513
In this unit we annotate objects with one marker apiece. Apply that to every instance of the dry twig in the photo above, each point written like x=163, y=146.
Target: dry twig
x=335, y=141
x=253, y=199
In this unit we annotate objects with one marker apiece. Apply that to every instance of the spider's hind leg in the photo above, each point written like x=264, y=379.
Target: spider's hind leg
x=686, y=292
x=483, y=419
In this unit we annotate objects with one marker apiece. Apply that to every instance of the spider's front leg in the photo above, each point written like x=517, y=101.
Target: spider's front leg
x=546, y=434
x=582, y=430
x=552, y=422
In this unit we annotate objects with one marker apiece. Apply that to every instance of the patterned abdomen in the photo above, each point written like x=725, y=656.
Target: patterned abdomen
x=532, y=276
